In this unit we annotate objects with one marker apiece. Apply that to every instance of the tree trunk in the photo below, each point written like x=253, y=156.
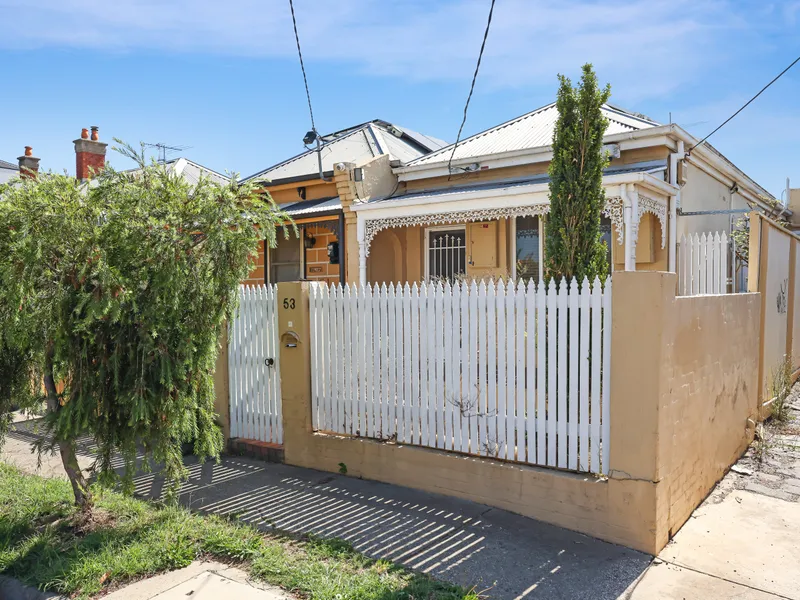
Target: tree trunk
x=80, y=488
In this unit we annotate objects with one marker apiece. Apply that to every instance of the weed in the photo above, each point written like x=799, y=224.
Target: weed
x=780, y=387
x=762, y=443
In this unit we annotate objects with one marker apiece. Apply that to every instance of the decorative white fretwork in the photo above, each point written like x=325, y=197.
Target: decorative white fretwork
x=659, y=209
x=373, y=226
x=614, y=210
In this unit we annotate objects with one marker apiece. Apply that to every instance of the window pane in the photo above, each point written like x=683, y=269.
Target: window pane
x=528, y=248
x=447, y=253
x=285, y=272
x=286, y=250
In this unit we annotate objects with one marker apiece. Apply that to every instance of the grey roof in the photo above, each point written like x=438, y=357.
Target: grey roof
x=532, y=130
x=8, y=171
x=192, y=171
x=311, y=207
x=355, y=144
x=651, y=166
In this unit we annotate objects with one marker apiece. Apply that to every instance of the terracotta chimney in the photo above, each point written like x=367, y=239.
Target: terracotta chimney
x=90, y=154
x=28, y=164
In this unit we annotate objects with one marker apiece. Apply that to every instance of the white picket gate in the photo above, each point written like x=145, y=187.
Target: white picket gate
x=519, y=373
x=703, y=264
x=253, y=369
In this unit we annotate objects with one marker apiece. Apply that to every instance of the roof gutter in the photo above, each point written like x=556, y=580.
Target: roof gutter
x=646, y=180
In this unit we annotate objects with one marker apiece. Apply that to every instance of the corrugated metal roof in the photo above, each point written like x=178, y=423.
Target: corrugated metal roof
x=532, y=130
x=308, y=207
x=192, y=172
x=355, y=144
x=652, y=166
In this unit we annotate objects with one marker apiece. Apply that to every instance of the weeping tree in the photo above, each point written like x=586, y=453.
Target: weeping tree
x=573, y=242
x=113, y=297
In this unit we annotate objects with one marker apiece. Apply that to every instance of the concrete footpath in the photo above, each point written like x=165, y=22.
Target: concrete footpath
x=739, y=543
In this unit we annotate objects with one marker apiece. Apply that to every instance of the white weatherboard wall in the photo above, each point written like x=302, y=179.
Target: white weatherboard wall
x=515, y=372
x=703, y=264
x=254, y=383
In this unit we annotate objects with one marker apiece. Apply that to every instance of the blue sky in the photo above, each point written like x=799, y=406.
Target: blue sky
x=223, y=77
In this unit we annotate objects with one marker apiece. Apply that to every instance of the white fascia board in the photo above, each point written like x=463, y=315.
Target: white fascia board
x=714, y=160
x=504, y=197
x=645, y=180
x=516, y=196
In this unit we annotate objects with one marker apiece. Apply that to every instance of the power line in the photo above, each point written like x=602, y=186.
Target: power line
x=745, y=105
x=302, y=67
x=472, y=86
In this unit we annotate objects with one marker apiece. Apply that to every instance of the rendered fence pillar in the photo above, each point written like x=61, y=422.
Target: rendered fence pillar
x=221, y=387
x=640, y=344
x=294, y=330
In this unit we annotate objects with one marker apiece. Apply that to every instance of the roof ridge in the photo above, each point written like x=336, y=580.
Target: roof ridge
x=11, y=165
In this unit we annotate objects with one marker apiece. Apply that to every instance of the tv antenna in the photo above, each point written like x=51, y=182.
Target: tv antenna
x=164, y=149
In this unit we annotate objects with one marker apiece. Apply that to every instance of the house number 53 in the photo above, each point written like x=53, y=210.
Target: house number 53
x=288, y=303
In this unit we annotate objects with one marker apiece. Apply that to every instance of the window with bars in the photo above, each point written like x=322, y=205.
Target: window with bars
x=447, y=253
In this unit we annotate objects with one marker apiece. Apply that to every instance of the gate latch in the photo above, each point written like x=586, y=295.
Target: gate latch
x=270, y=362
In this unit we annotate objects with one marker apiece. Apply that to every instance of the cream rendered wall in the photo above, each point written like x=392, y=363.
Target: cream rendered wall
x=703, y=192
x=711, y=374
x=774, y=288
x=794, y=302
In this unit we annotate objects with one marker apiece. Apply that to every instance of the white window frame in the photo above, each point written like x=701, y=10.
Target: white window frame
x=428, y=231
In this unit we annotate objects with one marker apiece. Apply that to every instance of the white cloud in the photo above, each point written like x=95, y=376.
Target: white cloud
x=646, y=47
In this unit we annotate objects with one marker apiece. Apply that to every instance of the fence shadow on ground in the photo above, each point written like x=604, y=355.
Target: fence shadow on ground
x=463, y=542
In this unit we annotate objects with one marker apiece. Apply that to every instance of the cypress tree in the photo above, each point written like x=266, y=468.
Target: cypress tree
x=573, y=243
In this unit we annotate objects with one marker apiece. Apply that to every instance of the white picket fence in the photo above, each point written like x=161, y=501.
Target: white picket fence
x=703, y=264
x=518, y=373
x=253, y=370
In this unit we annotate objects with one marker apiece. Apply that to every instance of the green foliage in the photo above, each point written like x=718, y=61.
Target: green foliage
x=740, y=234
x=574, y=247
x=40, y=545
x=780, y=388
x=121, y=288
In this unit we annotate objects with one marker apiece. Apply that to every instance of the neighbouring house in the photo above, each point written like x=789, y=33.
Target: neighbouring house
x=8, y=171
x=307, y=190
x=483, y=214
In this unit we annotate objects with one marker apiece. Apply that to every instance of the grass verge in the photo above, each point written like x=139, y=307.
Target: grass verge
x=45, y=543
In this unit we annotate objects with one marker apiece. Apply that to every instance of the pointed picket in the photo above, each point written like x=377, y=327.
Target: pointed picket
x=573, y=374
x=583, y=423
x=492, y=408
x=472, y=391
x=502, y=392
x=606, y=400
x=439, y=396
x=511, y=368
x=519, y=332
x=595, y=382
x=529, y=335
x=450, y=393
x=561, y=374
x=416, y=389
x=552, y=373
x=463, y=414
x=480, y=439
x=541, y=374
